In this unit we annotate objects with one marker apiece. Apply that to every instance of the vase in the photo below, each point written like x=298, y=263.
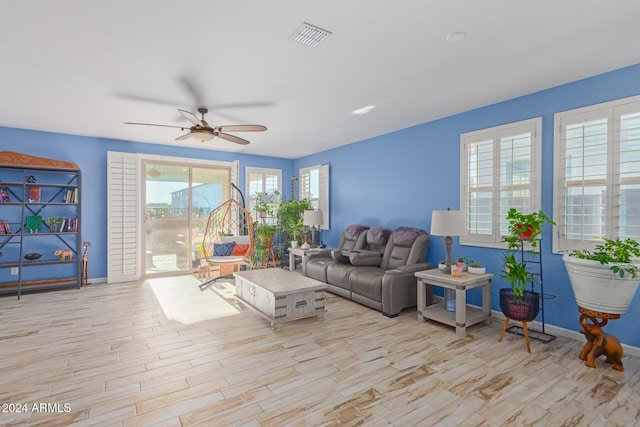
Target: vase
x=597, y=288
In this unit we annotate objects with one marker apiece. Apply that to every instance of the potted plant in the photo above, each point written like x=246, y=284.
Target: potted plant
x=290, y=217
x=265, y=233
x=525, y=226
x=475, y=268
x=605, y=279
x=516, y=302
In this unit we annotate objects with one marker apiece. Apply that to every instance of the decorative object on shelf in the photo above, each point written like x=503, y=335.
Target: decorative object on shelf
x=312, y=218
x=33, y=223
x=54, y=222
x=457, y=268
x=604, y=282
x=1, y=254
x=447, y=223
x=31, y=179
x=4, y=195
x=64, y=254
x=31, y=256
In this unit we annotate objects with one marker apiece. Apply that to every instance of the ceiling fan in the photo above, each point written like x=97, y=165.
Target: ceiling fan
x=203, y=132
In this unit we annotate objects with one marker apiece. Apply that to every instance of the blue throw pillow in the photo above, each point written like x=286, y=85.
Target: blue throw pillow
x=223, y=249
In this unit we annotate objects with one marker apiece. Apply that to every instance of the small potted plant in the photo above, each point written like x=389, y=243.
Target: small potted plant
x=605, y=279
x=516, y=302
x=525, y=226
x=475, y=268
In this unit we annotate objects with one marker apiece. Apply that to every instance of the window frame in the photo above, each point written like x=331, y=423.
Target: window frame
x=612, y=111
x=495, y=135
x=322, y=201
x=252, y=170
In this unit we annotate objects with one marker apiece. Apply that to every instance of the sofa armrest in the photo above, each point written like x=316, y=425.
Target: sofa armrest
x=410, y=268
x=322, y=253
x=363, y=257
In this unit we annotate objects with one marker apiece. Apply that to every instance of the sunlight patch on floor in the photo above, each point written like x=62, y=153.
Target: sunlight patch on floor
x=182, y=300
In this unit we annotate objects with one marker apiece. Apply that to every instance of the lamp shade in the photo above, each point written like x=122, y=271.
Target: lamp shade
x=311, y=217
x=448, y=223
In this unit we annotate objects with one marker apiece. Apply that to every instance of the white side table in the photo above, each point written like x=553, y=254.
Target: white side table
x=299, y=252
x=465, y=315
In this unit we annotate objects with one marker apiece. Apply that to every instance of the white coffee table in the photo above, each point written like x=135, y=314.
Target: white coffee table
x=280, y=295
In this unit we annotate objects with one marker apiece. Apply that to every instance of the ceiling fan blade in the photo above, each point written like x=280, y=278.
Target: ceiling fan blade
x=191, y=88
x=153, y=124
x=231, y=138
x=183, y=137
x=241, y=128
x=191, y=117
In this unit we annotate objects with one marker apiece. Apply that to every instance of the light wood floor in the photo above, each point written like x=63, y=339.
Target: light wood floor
x=162, y=352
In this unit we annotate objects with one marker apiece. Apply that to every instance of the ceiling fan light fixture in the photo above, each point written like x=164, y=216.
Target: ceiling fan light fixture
x=202, y=135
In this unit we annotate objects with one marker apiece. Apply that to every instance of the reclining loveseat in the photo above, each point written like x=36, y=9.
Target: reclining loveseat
x=373, y=266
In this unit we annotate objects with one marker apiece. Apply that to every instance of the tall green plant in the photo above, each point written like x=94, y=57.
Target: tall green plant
x=290, y=216
x=516, y=274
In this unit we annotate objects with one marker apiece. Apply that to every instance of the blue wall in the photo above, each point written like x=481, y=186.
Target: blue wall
x=90, y=154
x=399, y=178
x=393, y=180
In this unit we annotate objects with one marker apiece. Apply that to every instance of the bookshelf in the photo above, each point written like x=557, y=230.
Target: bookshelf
x=39, y=215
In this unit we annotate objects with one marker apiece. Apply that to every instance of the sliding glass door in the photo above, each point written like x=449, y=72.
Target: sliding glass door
x=178, y=199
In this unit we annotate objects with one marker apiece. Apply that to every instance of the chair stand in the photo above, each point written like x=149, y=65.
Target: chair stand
x=524, y=328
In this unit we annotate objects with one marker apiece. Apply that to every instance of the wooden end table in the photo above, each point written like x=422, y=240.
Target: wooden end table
x=465, y=315
x=300, y=253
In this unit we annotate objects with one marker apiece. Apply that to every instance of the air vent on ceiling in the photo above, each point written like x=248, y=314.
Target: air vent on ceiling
x=309, y=35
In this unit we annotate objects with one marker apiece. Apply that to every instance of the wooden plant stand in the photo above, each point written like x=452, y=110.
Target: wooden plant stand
x=524, y=329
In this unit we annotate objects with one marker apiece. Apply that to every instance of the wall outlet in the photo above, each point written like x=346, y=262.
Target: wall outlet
x=14, y=271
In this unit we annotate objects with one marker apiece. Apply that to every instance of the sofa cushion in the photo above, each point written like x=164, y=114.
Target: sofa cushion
x=338, y=274
x=367, y=281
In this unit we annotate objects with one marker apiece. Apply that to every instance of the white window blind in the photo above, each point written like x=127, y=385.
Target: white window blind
x=122, y=217
x=314, y=185
x=500, y=169
x=597, y=174
x=261, y=180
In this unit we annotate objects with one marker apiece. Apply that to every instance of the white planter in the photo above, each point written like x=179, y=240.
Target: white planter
x=477, y=270
x=597, y=288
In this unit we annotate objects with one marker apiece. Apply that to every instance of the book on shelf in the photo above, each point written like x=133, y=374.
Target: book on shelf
x=4, y=227
x=34, y=194
x=70, y=196
x=33, y=223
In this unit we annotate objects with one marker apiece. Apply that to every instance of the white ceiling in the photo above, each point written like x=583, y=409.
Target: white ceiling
x=85, y=67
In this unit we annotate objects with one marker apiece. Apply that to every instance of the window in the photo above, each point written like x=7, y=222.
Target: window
x=597, y=174
x=314, y=185
x=261, y=180
x=500, y=169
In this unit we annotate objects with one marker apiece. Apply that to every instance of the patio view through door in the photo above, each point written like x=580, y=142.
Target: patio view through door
x=178, y=199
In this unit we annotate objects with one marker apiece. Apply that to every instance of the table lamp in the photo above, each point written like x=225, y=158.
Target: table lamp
x=448, y=223
x=313, y=219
